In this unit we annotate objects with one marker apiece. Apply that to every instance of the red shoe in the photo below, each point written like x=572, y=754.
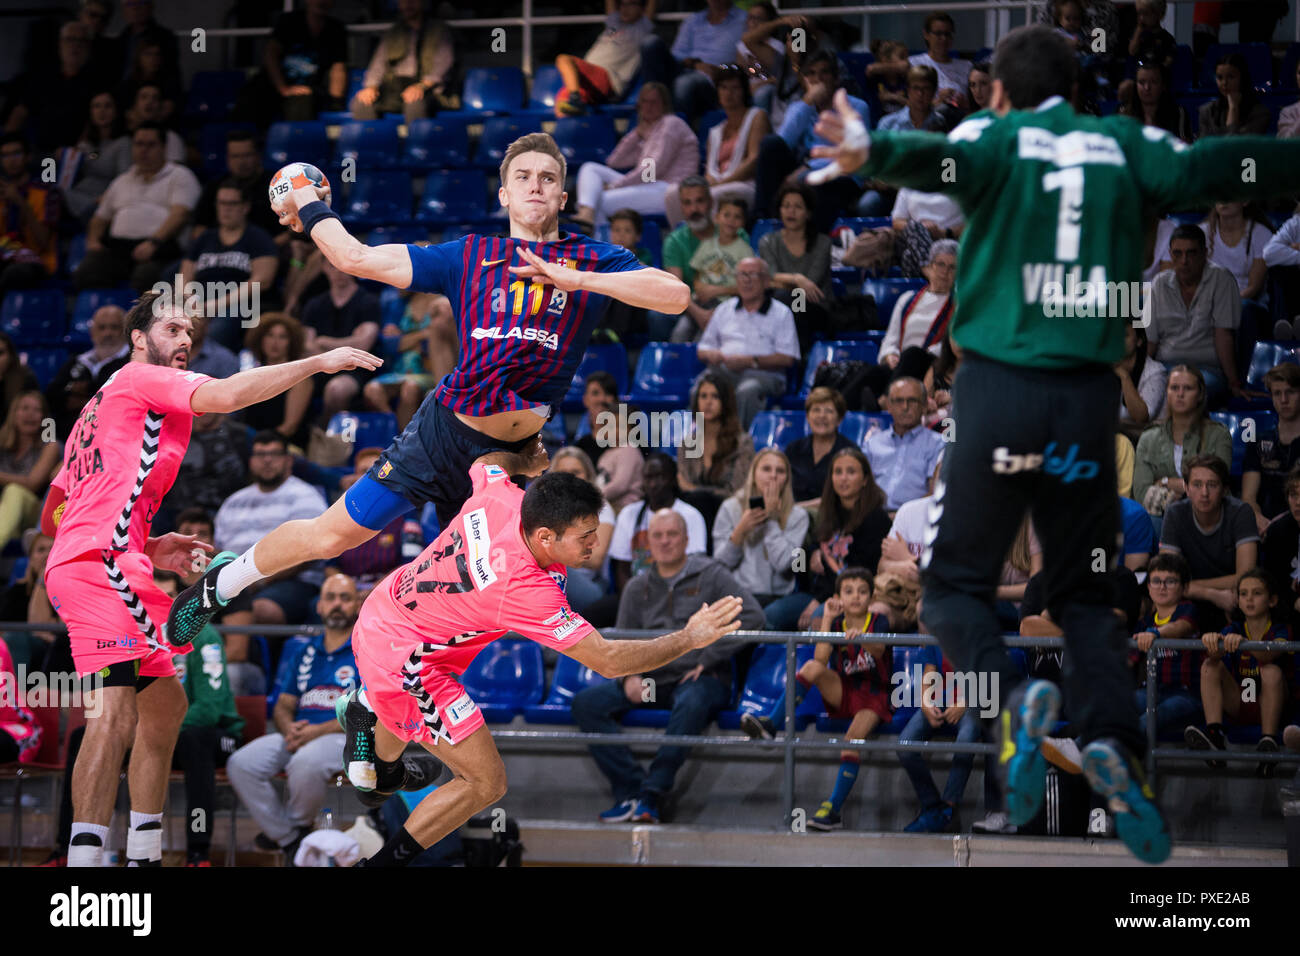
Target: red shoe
x=200, y=863
x=55, y=859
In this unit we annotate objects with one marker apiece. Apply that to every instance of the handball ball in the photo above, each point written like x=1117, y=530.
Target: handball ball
x=291, y=177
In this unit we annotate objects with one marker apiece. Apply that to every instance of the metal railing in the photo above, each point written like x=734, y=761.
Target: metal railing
x=791, y=742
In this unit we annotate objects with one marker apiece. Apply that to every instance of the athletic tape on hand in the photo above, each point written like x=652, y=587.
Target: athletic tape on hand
x=855, y=137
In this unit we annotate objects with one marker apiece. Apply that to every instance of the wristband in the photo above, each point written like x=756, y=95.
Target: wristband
x=1154, y=630
x=313, y=213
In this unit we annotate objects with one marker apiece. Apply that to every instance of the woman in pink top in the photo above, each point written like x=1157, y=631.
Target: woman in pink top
x=732, y=153
x=659, y=150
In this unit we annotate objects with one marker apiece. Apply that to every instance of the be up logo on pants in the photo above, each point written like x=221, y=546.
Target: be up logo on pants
x=1070, y=467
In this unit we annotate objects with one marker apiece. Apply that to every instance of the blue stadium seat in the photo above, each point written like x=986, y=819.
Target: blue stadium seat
x=763, y=685
x=858, y=426
x=441, y=141
x=494, y=90
x=1266, y=355
x=506, y=677
x=611, y=357
x=1259, y=60
x=44, y=362
x=663, y=376
x=584, y=139
x=837, y=351
x=371, y=144
x=546, y=85
x=777, y=429
x=761, y=228
x=76, y=252
x=301, y=142
x=498, y=133
x=1183, y=74
x=570, y=677
x=364, y=429
x=451, y=196
x=34, y=316
x=384, y=235
x=88, y=303
x=213, y=94
x=886, y=293
x=378, y=198
x=1239, y=424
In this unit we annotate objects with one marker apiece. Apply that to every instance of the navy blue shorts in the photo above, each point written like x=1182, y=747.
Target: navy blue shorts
x=429, y=461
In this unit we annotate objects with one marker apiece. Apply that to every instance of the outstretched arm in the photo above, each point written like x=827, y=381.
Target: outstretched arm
x=259, y=384
x=647, y=288
x=388, y=263
x=620, y=658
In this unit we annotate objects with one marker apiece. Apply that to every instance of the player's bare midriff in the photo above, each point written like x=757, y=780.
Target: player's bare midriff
x=506, y=426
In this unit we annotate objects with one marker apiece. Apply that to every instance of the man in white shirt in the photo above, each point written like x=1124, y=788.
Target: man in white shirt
x=751, y=339
x=274, y=497
x=953, y=73
x=629, y=548
x=134, y=230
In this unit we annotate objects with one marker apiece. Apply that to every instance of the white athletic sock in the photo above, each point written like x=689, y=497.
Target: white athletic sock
x=144, y=839
x=90, y=850
x=237, y=575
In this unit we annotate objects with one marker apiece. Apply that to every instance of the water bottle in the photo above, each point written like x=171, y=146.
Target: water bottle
x=325, y=819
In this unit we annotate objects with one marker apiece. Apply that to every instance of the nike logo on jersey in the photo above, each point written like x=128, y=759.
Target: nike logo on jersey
x=494, y=262
x=548, y=340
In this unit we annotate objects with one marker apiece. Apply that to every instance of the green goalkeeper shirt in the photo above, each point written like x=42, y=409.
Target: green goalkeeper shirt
x=1057, y=205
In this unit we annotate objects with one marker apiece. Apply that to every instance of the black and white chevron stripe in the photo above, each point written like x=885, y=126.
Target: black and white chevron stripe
x=131, y=600
x=148, y=456
x=412, y=684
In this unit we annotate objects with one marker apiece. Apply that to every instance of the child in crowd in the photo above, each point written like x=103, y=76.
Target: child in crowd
x=625, y=228
x=1249, y=686
x=854, y=680
x=1168, y=615
x=613, y=60
x=715, y=260
x=1068, y=15
x=889, y=74
x=1152, y=43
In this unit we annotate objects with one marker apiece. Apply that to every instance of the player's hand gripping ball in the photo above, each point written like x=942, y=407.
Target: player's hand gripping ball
x=292, y=177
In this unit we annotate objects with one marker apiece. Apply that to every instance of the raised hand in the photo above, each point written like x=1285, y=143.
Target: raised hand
x=713, y=621
x=343, y=359
x=562, y=277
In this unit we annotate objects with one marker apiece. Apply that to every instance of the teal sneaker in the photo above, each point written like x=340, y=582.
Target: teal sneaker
x=1115, y=774
x=1028, y=717
x=358, y=723
x=194, y=607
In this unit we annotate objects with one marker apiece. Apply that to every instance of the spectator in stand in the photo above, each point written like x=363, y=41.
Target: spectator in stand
x=706, y=41
x=1192, y=313
x=1280, y=548
x=953, y=72
x=26, y=600
x=758, y=542
x=938, y=384
x=951, y=107
x=208, y=356
x=620, y=464
x=695, y=686
x=94, y=16
x=731, y=155
x=629, y=548
x=51, y=99
x=659, y=150
x=274, y=497
x=1275, y=451
x=712, y=466
x=1167, y=615
x=599, y=394
x=921, y=88
x=761, y=52
x=1098, y=15
x=101, y=154
x=147, y=107
x=397, y=543
x=1237, y=111
x=751, y=340
x=147, y=70
x=134, y=231
x=1149, y=99
x=244, y=169
x=307, y=743
x=781, y=83
x=234, y=263
x=621, y=319
x=604, y=72
x=306, y=61
x=404, y=79
x=920, y=220
x=83, y=375
x=1282, y=256
x=717, y=258
x=851, y=525
x=1216, y=535
x=799, y=257
x=29, y=456
x=345, y=316
x=1142, y=382
x=1288, y=121
x=1183, y=432
x=1150, y=42
x=141, y=27
x=276, y=339
x=888, y=74
x=20, y=730
x=696, y=200
x=786, y=156
x=904, y=456
x=1237, y=234
x=15, y=377
x=1224, y=682
x=215, y=466
x=29, y=214
x=588, y=584
x=426, y=351
x=810, y=457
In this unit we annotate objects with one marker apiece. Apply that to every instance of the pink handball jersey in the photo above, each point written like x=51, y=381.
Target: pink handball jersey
x=425, y=622
x=121, y=459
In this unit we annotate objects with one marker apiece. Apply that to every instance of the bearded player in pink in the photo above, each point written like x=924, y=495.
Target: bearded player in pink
x=120, y=460
x=497, y=567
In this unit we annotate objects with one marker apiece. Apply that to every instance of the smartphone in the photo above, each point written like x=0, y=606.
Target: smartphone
x=756, y=501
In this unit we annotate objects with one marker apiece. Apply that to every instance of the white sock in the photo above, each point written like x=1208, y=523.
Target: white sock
x=87, y=853
x=237, y=575
x=144, y=839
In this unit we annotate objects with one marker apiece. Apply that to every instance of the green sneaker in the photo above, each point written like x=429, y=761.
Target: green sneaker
x=358, y=723
x=194, y=607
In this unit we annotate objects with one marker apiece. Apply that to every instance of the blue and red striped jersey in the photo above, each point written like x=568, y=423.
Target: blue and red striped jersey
x=1244, y=664
x=520, y=339
x=1174, y=668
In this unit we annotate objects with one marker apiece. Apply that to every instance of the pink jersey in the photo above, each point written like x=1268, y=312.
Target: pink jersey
x=122, y=457
x=477, y=582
